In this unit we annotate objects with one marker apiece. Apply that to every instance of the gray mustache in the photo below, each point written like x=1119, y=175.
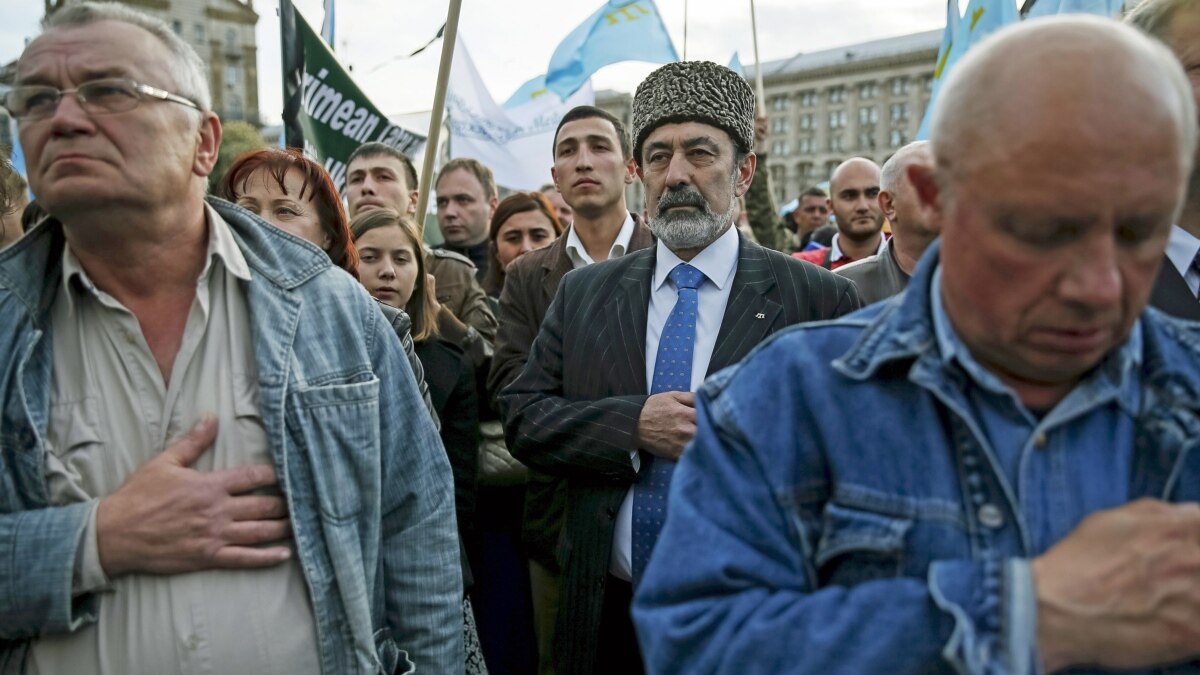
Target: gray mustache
x=681, y=197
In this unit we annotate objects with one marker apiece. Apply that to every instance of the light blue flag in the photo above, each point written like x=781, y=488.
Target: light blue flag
x=527, y=92
x=735, y=64
x=1108, y=8
x=327, y=24
x=621, y=30
x=983, y=17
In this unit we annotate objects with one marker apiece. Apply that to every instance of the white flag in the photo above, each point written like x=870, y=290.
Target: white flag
x=515, y=143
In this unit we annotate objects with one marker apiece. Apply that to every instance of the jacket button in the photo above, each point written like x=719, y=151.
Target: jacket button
x=990, y=516
x=1040, y=440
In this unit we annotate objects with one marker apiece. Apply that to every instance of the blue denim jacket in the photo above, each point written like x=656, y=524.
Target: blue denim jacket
x=367, y=483
x=840, y=512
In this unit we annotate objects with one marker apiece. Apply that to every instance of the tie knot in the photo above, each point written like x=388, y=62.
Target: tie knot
x=686, y=276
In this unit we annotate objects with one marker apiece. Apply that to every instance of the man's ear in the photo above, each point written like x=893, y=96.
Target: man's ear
x=745, y=174
x=930, y=199
x=887, y=205
x=632, y=171
x=413, y=196
x=208, y=144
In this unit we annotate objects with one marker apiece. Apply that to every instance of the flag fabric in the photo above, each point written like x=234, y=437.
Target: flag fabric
x=327, y=24
x=982, y=18
x=735, y=64
x=621, y=30
x=515, y=143
x=527, y=92
x=324, y=111
x=1108, y=8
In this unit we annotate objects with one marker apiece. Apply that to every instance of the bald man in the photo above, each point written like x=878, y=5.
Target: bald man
x=881, y=276
x=1177, y=23
x=854, y=200
x=1018, y=495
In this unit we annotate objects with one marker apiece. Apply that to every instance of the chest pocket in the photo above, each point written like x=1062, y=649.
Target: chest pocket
x=76, y=467
x=858, y=546
x=337, y=426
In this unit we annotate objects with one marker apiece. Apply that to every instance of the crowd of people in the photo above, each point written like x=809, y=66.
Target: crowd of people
x=944, y=418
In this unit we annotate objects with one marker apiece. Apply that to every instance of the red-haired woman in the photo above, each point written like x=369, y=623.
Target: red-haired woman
x=295, y=194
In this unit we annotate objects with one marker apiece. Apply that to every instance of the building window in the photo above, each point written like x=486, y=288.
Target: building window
x=177, y=26
x=779, y=103
x=230, y=37
x=779, y=148
x=198, y=30
x=927, y=83
x=866, y=140
x=805, y=146
x=837, y=143
x=779, y=125
x=900, y=86
x=233, y=76
x=235, y=107
x=808, y=98
x=868, y=90
x=805, y=170
x=837, y=94
x=777, y=180
x=807, y=122
x=899, y=112
x=898, y=138
x=868, y=115
x=837, y=119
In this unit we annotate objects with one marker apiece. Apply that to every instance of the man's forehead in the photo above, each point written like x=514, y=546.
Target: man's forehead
x=459, y=181
x=100, y=49
x=375, y=163
x=686, y=132
x=581, y=129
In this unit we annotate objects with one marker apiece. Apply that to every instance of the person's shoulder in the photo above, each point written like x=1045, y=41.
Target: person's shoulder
x=450, y=257
x=1172, y=344
x=534, y=260
x=605, y=272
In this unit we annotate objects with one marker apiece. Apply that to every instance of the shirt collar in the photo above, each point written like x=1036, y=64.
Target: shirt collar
x=836, y=254
x=1182, y=248
x=221, y=246
x=717, y=261
x=579, y=255
x=1113, y=379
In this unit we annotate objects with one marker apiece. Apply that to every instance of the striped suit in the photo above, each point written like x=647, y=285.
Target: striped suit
x=573, y=410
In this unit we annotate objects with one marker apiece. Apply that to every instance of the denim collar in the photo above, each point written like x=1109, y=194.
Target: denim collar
x=282, y=259
x=902, y=329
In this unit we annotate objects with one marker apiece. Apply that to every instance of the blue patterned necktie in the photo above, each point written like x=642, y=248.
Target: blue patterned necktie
x=672, y=372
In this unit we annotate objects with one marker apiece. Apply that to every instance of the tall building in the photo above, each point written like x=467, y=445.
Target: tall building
x=863, y=100
x=222, y=33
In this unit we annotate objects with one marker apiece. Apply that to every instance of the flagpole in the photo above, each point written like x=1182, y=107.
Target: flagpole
x=439, y=108
x=758, y=71
x=685, y=23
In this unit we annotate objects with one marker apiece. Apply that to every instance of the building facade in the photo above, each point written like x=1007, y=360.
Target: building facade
x=864, y=100
x=222, y=33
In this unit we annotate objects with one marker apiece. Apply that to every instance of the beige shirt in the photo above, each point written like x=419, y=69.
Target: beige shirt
x=111, y=412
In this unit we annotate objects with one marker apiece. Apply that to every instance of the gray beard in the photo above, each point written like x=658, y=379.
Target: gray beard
x=681, y=230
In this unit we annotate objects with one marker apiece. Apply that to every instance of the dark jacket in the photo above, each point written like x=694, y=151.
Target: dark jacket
x=573, y=411
x=1172, y=295
x=529, y=287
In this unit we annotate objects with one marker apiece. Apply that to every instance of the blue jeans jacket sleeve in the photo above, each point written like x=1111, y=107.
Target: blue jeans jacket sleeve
x=422, y=578
x=37, y=562
x=731, y=587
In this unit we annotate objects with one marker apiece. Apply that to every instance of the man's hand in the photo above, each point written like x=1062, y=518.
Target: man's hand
x=169, y=518
x=667, y=423
x=1122, y=591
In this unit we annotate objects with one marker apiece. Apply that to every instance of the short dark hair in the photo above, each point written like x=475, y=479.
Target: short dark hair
x=813, y=191
x=475, y=168
x=377, y=149
x=583, y=112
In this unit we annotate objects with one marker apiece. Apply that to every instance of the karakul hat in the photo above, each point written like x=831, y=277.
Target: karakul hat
x=694, y=91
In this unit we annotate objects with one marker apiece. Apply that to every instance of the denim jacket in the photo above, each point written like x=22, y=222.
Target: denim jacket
x=839, y=512
x=367, y=484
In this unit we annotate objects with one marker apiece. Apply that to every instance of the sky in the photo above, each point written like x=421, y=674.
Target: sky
x=511, y=40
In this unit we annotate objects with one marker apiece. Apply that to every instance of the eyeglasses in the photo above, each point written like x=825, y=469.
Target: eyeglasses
x=98, y=97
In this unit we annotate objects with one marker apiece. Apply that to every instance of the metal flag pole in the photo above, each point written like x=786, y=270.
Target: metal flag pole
x=760, y=93
x=439, y=108
x=685, y=23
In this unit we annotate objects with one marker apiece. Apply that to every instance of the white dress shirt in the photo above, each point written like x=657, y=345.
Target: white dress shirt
x=1182, y=248
x=718, y=262
x=578, y=254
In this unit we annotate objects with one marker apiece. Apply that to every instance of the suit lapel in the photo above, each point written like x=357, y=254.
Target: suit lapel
x=555, y=267
x=625, y=320
x=1172, y=295
x=750, y=313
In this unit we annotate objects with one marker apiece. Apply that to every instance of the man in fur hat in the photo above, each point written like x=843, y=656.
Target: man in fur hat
x=605, y=399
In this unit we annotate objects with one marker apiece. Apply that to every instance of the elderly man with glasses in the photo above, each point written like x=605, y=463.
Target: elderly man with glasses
x=213, y=455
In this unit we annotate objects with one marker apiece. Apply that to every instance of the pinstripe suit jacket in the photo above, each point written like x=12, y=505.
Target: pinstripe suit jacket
x=573, y=410
x=1172, y=295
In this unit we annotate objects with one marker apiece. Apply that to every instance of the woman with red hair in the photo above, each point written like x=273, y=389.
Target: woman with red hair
x=295, y=194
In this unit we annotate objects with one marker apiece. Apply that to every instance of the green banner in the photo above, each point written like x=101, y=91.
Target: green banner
x=325, y=112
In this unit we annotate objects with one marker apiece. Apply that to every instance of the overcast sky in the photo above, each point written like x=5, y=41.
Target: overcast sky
x=512, y=40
